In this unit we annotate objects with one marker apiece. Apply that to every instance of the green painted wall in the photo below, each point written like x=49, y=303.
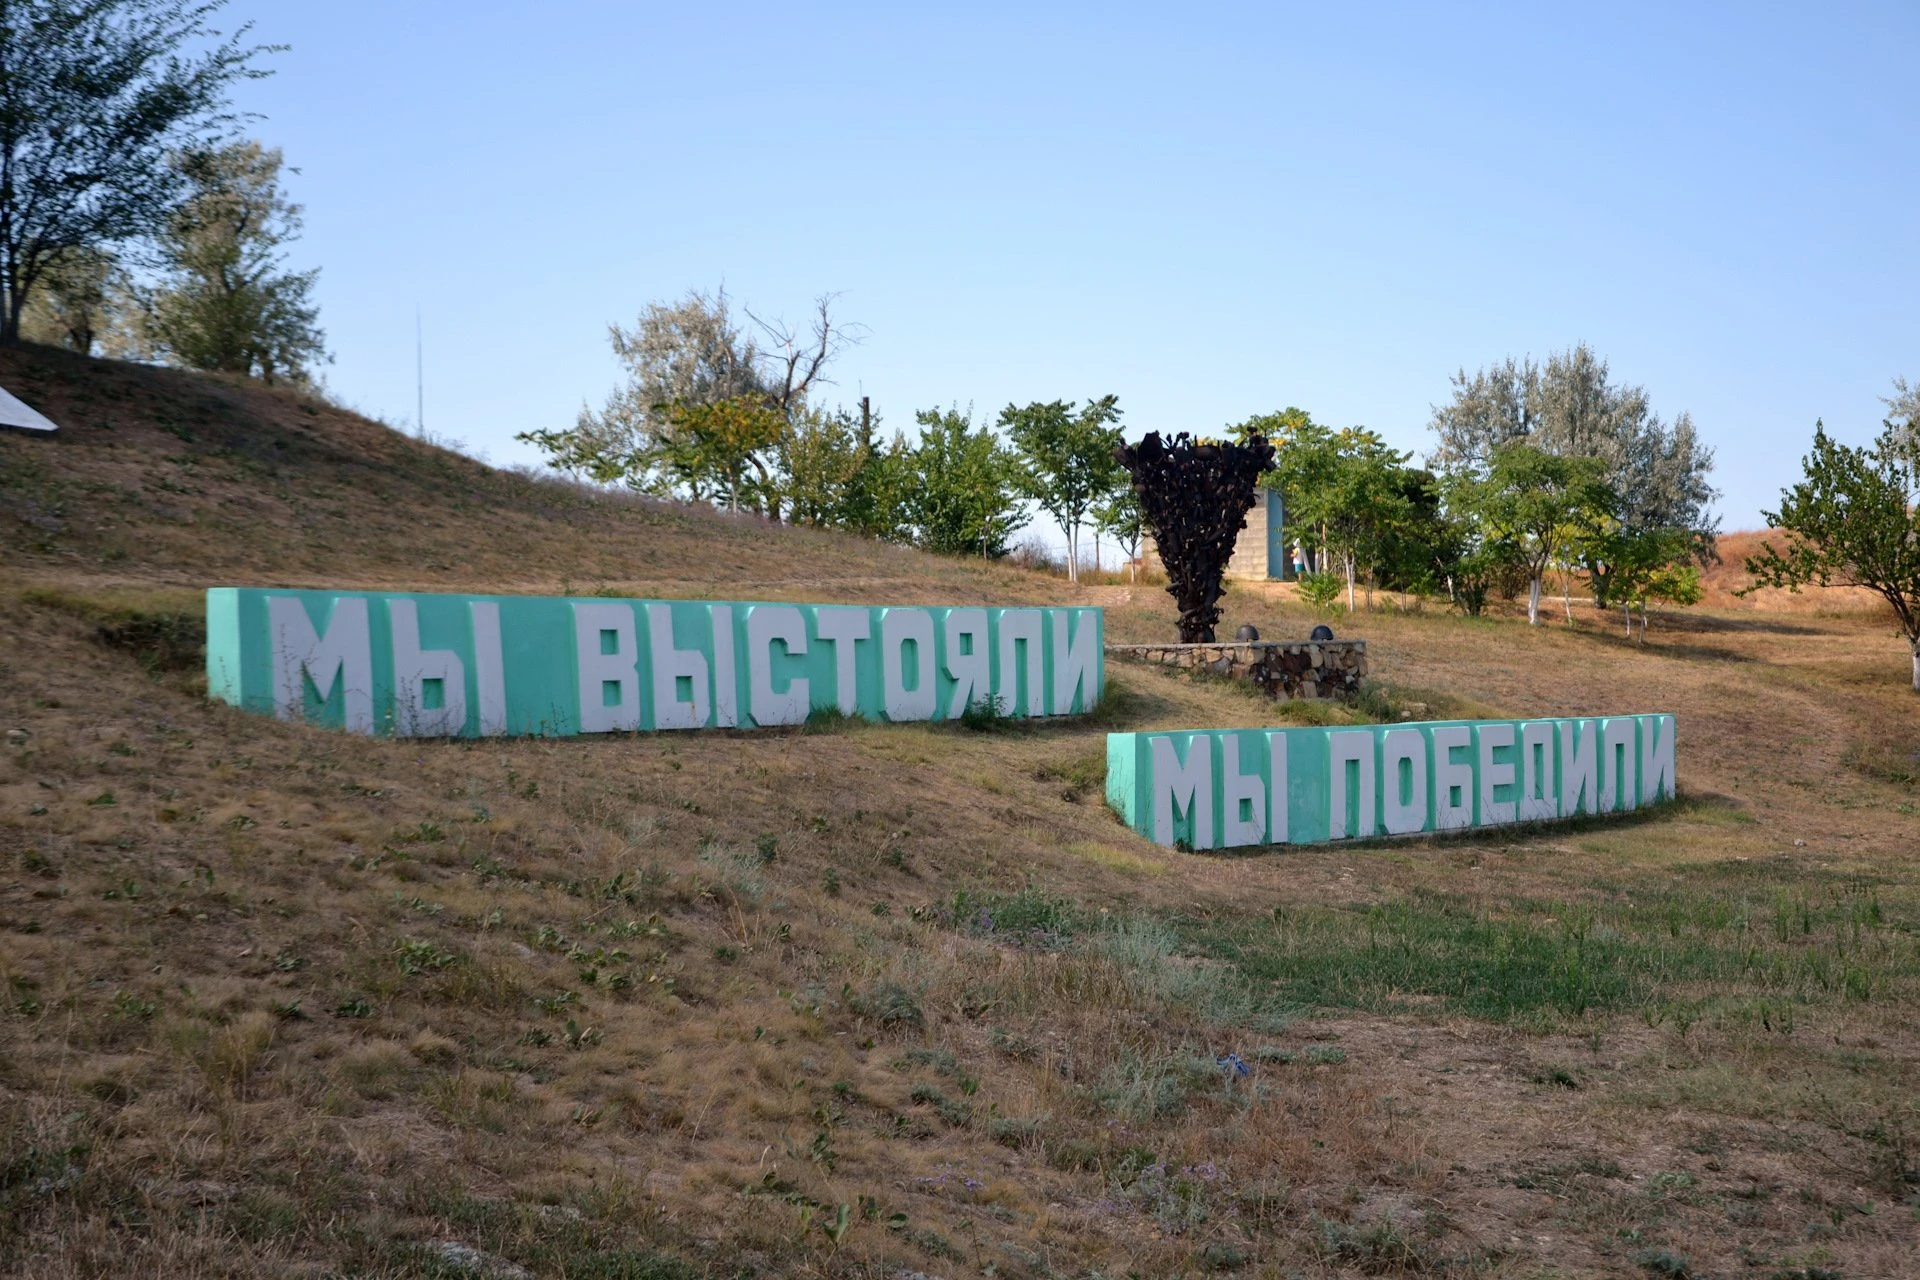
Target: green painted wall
x=1224, y=788
x=421, y=665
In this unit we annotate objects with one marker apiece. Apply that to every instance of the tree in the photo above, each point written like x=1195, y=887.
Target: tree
x=1903, y=414
x=228, y=305
x=1532, y=506
x=691, y=352
x=1640, y=565
x=95, y=97
x=1852, y=521
x=74, y=304
x=1356, y=502
x=965, y=498
x=719, y=450
x=836, y=477
x=1570, y=407
x=1067, y=462
x=1119, y=517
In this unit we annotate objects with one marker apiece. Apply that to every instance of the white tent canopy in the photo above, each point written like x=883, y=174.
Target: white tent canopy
x=14, y=413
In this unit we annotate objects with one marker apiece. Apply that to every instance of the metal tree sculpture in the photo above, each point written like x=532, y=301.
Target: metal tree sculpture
x=1195, y=496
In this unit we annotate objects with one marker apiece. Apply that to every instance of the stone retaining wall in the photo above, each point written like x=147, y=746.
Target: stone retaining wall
x=1284, y=668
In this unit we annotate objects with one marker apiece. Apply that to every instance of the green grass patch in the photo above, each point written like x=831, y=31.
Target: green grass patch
x=1693, y=952
x=165, y=629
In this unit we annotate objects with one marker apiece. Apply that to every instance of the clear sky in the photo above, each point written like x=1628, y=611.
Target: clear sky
x=1210, y=210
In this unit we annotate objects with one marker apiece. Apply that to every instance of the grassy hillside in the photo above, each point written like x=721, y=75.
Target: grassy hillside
x=888, y=1000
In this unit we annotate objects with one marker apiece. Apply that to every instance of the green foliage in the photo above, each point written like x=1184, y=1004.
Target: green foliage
x=1532, y=508
x=1571, y=407
x=1067, y=462
x=1321, y=589
x=75, y=303
x=722, y=448
x=964, y=498
x=1120, y=518
x=1710, y=948
x=1351, y=497
x=834, y=475
x=1853, y=521
x=226, y=303
x=94, y=100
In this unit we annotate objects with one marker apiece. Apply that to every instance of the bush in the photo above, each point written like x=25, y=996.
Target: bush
x=1322, y=590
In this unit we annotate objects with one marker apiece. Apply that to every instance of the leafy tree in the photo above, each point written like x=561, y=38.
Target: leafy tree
x=1852, y=521
x=1640, y=565
x=837, y=477
x=95, y=97
x=227, y=304
x=1571, y=407
x=1120, y=518
x=692, y=352
x=719, y=450
x=965, y=498
x=74, y=305
x=1348, y=490
x=1532, y=507
x=1067, y=460
x=1903, y=414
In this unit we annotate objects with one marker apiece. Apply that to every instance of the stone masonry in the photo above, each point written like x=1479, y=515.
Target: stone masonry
x=1284, y=668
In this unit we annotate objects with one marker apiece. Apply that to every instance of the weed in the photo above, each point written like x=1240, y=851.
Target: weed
x=1079, y=776
x=1375, y=1248
x=128, y=1005
x=987, y=713
x=1663, y=1262
x=417, y=956
x=891, y=1005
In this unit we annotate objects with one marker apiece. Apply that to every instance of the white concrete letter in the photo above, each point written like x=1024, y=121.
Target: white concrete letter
x=1243, y=792
x=413, y=668
x=765, y=624
x=1186, y=786
x=1020, y=652
x=968, y=660
x=844, y=629
x=489, y=667
x=1075, y=662
x=670, y=666
x=1354, y=746
x=1277, y=786
x=1579, y=767
x=1656, y=758
x=726, y=674
x=1452, y=782
x=1495, y=812
x=1538, y=800
x=1616, y=765
x=344, y=654
x=898, y=628
x=1404, y=747
x=603, y=639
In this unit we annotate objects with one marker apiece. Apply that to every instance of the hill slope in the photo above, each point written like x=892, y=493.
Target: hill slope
x=888, y=1000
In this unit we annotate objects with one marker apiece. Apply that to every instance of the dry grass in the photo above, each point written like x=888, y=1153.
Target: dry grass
x=879, y=999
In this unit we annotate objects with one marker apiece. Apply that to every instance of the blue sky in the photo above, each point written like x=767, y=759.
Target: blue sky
x=1211, y=211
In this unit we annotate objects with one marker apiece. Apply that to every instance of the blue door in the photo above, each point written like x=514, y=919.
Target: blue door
x=1279, y=563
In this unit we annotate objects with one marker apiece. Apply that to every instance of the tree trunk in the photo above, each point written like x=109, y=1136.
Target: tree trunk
x=1566, y=596
x=1626, y=611
x=1533, y=601
x=1914, y=644
x=1349, y=582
